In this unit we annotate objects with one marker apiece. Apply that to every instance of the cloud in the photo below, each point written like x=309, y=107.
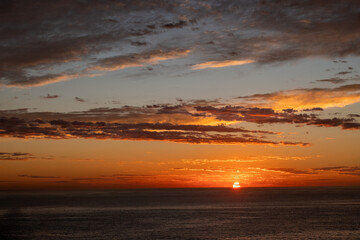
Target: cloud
x=343, y=73
x=15, y=156
x=337, y=80
x=35, y=176
x=198, y=134
x=313, y=109
x=26, y=81
x=50, y=96
x=307, y=98
x=207, y=161
x=344, y=170
x=194, y=121
x=204, y=113
x=79, y=99
x=139, y=44
x=286, y=170
x=178, y=24
x=86, y=179
x=137, y=60
x=210, y=170
x=54, y=47
x=333, y=80
x=220, y=64
x=270, y=116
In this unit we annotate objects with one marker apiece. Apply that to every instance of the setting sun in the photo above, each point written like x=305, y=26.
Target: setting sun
x=236, y=185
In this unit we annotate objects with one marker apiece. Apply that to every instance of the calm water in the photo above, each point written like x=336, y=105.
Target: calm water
x=247, y=213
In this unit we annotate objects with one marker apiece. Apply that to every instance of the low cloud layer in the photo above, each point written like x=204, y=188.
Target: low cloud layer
x=196, y=121
x=61, y=129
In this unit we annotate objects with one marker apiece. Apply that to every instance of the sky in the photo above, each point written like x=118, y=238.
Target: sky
x=175, y=94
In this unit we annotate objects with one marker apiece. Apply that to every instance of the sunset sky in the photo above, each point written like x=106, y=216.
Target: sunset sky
x=153, y=94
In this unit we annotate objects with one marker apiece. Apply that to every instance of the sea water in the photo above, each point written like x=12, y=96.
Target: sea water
x=205, y=213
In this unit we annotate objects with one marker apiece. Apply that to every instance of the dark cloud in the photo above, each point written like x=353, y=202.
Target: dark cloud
x=344, y=170
x=86, y=179
x=289, y=110
x=313, y=109
x=343, y=73
x=61, y=129
x=48, y=42
x=337, y=80
x=333, y=80
x=179, y=24
x=139, y=44
x=15, y=156
x=32, y=176
x=186, y=121
x=50, y=96
x=79, y=99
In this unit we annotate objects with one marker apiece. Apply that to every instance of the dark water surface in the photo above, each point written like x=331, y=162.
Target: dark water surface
x=218, y=213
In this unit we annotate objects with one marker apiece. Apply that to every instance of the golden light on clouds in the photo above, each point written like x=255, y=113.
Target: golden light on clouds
x=49, y=79
x=307, y=98
x=220, y=64
x=221, y=90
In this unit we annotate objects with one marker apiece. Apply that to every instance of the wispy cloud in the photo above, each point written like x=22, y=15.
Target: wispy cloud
x=36, y=176
x=307, y=98
x=344, y=170
x=220, y=64
x=137, y=60
x=15, y=156
x=337, y=80
x=50, y=96
x=286, y=170
x=79, y=99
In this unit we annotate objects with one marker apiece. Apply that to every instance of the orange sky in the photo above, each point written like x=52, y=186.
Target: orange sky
x=179, y=94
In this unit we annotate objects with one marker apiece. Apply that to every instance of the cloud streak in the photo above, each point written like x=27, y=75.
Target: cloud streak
x=50, y=96
x=15, y=156
x=36, y=176
x=137, y=60
x=221, y=64
x=344, y=170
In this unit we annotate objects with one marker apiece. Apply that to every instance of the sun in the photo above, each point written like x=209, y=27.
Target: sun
x=236, y=185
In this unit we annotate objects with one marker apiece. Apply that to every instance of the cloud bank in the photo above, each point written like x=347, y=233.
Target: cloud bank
x=41, y=45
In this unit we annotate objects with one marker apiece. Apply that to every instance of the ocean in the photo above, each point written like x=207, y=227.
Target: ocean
x=193, y=213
